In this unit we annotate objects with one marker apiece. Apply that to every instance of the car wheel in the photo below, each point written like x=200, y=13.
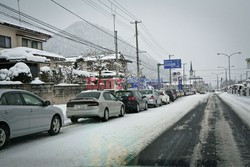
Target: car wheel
x=146, y=106
x=155, y=105
x=55, y=125
x=106, y=115
x=74, y=119
x=160, y=103
x=122, y=112
x=4, y=137
x=137, y=108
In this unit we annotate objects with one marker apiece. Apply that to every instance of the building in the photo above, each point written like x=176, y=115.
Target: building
x=14, y=35
x=20, y=43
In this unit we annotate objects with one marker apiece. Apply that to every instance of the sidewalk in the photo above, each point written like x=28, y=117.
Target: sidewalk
x=240, y=104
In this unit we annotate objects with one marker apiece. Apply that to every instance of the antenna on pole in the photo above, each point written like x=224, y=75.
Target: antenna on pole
x=18, y=5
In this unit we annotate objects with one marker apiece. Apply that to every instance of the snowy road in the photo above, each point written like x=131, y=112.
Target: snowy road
x=212, y=134
x=94, y=143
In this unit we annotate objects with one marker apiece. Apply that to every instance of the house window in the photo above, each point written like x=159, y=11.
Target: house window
x=37, y=45
x=34, y=44
x=5, y=42
x=25, y=42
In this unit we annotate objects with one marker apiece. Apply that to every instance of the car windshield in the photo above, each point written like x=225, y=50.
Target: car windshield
x=95, y=95
x=123, y=93
x=146, y=92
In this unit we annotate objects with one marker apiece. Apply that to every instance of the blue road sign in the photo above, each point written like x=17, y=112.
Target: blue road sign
x=172, y=63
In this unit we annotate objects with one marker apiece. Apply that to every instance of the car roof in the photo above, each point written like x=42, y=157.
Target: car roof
x=2, y=91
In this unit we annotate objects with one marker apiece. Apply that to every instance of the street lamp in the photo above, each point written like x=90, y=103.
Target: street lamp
x=225, y=73
x=217, y=78
x=229, y=56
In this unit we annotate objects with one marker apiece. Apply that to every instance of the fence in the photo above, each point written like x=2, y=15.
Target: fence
x=57, y=94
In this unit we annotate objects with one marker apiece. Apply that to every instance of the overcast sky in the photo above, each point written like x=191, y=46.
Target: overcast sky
x=192, y=30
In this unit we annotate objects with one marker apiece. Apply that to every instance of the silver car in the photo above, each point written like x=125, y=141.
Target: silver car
x=90, y=104
x=153, y=97
x=23, y=113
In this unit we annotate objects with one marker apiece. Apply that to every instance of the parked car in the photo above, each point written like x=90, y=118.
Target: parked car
x=153, y=97
x=175, y=93
x=133, y=100
x=164, y=97
x=23, y=113
x=171, y=95
x=91, y=104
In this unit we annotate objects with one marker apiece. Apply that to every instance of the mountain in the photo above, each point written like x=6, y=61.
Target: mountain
x=88, y=32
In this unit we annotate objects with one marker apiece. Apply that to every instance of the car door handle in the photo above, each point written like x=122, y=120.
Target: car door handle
x=31, y=110
x=5, y=112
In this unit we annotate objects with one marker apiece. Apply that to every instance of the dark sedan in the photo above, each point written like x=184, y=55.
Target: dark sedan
x=133, y=100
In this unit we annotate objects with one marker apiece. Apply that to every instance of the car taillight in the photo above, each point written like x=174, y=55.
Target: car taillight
x=131, y=98
x=152, y=97
x=93, y=104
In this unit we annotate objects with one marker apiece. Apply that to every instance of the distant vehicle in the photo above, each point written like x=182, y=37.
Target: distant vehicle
x=175, y=93
x=90, y=104
x=133, y=100
x=23, y=113
x=153, y=96
x=164, y=97
x=180, y=93
x=171, y=95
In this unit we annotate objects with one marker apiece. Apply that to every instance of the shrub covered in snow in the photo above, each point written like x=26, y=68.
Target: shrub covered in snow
x=20, y=72
x=4, y=75
x=46, y=74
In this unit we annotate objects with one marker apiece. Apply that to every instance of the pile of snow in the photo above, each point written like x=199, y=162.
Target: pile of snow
x=37, y=81
x=81, y=73
x=240, y=104
x=4, y=75
x=21, y=54
x=65, y=84
x=45, y=69
x=10, y=82
x=19, y=68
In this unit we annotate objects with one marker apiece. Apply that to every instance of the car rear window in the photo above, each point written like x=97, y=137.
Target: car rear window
x=123, y=93
x=88, y=95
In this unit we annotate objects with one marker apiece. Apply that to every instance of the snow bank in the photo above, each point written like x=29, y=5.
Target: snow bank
x=81, y=73
x=240, y=104
x=94, y=143
x=37, y=81
x=10, y=82
x=45, y=69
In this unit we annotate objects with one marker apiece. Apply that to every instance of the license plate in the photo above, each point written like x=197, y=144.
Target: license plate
x=80, y=107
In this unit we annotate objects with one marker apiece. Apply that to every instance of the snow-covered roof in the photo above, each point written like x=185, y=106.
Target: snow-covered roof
x=28, y=54
x=105, y=57
x=25, y=28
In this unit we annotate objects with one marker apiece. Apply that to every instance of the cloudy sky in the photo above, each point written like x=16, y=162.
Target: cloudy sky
x=191, y=30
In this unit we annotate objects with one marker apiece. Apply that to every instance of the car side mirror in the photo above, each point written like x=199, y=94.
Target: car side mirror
x=47, y=103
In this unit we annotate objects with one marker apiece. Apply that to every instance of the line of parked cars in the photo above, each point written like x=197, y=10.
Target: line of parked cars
x=23, y=113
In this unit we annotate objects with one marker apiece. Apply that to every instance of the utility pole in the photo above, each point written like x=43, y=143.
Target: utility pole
x=183, y=77
x=158, y=71
x=170, y=75
x=116, y=43
x=137, y=54
x=19, y=13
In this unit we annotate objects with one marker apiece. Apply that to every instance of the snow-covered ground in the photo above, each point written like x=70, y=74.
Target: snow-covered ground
x=240, y=104
x=94, y=143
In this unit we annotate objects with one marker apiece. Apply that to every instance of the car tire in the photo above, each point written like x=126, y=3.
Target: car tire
x=155, y=105
x=160, y=103
x=74, y=120
x=55, y=126
x=106, y=115
x=122, y=112
x=4, y=136
x=137, y=110
x=146, y=106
